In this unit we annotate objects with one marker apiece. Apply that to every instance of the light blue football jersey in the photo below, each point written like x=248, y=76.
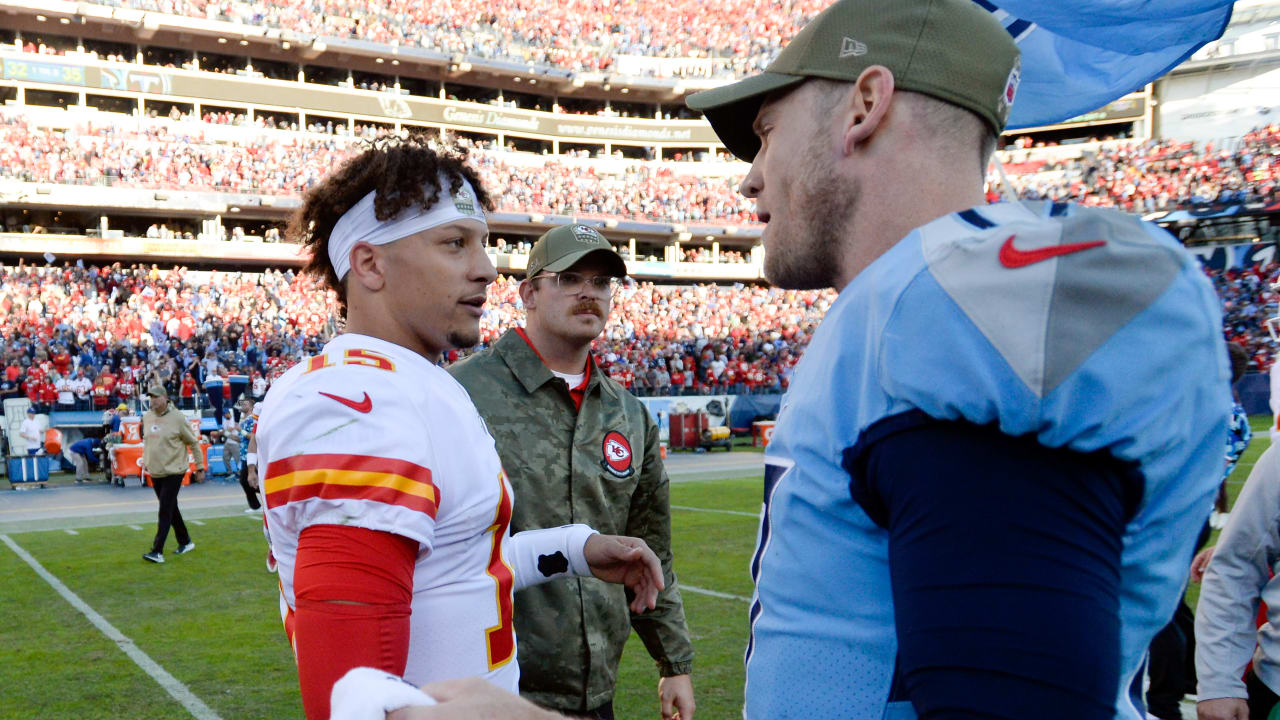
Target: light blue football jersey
x=1087, y=327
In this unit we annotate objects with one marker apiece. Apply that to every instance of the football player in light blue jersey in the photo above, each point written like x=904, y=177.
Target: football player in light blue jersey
x=987, y=476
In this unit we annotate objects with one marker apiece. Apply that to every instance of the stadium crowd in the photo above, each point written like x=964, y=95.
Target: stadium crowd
x=577, y=35
x=76, y=337
x=1137, y=177
x=173, y=155
x=1248, y=302
x=1145, y=177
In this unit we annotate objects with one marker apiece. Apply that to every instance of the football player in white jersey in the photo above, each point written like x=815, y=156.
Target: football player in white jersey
x=387, y=507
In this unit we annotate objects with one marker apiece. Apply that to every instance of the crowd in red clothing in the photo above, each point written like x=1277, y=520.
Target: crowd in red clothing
x=106, y=333
x=580, y=35
x=90, y=337
x=1145, y=177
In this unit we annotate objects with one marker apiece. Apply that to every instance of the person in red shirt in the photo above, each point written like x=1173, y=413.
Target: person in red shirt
x=109, y=379
x=126, y=388
x=61, y=361
x=187, y=392
x=677, y=382
x=101, y=394
x=48, y=394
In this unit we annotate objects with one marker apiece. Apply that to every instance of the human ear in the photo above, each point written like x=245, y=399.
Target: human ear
x=866, y=106
x=367, y=267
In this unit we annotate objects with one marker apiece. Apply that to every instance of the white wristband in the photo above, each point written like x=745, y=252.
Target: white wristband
x=251, y=459
x=368, y=694
x=541, y=555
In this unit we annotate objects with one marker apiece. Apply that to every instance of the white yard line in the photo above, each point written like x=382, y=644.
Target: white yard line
x=72, y=532
x=135, y=527
x=196, y=522
x=712, y=593
x=172, y=685
x=722, y=512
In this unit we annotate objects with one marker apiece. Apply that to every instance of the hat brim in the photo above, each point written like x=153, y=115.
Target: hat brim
x=731, y=109
x=617, y=266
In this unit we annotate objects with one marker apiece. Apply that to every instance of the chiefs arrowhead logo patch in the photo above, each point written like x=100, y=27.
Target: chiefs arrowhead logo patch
x=617, y=455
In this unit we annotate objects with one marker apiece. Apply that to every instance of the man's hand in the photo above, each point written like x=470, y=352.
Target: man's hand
x=198, y=476
x=472, y=699
x=627, y=561
x=675, y=693
x=1200, y=563
x=251, y=476
x=1223, y=709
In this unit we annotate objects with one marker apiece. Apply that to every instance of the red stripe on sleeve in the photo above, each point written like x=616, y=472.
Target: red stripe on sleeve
x=388, y=496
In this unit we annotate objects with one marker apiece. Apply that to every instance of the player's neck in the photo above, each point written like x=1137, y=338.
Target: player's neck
x=558, y=354
x=376, y=325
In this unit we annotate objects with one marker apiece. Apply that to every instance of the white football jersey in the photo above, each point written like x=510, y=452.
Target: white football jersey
x=372, y=435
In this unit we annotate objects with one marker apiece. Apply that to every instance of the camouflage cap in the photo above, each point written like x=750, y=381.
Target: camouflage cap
x=954, y=50
x=561, y=248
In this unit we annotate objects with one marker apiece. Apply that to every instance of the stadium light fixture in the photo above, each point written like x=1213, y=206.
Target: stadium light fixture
x=626, y=90
x=244, y=42
x=41, y=18
x=222, y=41
x=395, y=62
x=285, y=45
x=379, y=60
x=65, y=21
x=518, y=79
x=533, y=81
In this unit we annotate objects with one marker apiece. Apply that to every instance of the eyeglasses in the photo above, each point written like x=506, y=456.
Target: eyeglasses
x=572, y=283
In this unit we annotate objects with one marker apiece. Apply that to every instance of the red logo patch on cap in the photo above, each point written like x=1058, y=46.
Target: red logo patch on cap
x=617, y=455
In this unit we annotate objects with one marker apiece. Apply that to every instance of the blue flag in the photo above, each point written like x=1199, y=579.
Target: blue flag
x=1078, y=55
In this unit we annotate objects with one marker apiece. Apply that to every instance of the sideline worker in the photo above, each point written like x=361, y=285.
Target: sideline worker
x=166, y=435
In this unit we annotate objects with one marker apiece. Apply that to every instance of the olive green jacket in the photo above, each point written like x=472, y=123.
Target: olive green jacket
x=570, y=466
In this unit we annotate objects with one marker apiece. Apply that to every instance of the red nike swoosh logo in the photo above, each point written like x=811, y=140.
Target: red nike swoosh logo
x=363, y=406
x=1011, y=257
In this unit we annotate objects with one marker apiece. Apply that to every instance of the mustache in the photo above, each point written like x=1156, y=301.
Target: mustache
x=588, y=306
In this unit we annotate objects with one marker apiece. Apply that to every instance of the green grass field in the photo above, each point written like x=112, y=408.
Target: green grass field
x=211, y=619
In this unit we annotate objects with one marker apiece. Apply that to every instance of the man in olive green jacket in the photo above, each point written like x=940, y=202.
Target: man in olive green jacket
x=579, y=448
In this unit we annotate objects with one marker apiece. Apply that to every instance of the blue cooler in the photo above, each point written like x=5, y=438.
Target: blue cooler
x=217, y=462
x=26, y=469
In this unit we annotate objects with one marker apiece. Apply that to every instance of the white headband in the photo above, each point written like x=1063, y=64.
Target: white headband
x=360, y=224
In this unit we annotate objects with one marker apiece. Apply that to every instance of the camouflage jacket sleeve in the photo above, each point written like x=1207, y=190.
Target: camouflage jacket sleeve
x=662, y=630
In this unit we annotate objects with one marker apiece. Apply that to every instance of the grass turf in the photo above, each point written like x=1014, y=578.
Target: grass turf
x=211, y=619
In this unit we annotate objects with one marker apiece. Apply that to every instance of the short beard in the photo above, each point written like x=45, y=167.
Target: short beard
x=810, y=258
x=463, y=339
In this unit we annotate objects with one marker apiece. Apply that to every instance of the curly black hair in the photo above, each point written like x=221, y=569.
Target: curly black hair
x=404, y=172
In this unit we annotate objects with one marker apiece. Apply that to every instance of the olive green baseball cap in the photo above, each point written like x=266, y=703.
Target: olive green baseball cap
x=560, y=248
x=953, y=50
